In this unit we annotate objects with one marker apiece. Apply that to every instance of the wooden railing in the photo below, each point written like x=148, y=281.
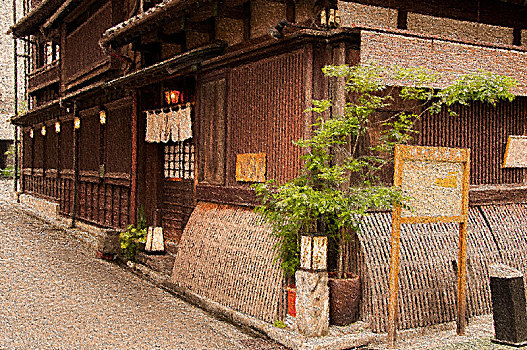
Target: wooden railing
x=44, y=76
x=101, y=201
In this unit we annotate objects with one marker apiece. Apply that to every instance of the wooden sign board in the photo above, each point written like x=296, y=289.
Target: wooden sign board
x=515, y=152
x=437, y=180
x=251, y=167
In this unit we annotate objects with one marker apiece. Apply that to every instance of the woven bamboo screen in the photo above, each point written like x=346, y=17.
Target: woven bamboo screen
x=427, y=292
x=226, y=254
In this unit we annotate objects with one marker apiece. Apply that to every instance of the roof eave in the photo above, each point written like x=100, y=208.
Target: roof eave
x=124, y=31
x=31, y=22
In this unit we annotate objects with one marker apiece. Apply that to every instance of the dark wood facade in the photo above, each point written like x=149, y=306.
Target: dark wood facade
x=249, y=97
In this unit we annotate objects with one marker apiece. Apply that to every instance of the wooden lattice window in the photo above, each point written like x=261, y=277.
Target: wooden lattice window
x=179, y=160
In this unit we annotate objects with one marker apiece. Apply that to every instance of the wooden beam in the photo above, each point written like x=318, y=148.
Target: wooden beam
x=247, y=21
x=135, y=141
x=517, y=37
x=201, y=27
x=236, y=12
x=402, y=19
x=76, y=178
x=483, y=11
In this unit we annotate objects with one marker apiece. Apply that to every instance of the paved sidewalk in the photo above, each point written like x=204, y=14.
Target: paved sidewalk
x=478, y=335
x=55, y=295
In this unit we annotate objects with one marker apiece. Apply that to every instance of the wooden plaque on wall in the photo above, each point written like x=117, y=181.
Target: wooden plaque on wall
x=251, y=167
x=515, y=152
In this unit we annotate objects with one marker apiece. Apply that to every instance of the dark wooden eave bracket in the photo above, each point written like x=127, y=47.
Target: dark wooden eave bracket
x=58, y=16
x=169, y=67
x=154, y=17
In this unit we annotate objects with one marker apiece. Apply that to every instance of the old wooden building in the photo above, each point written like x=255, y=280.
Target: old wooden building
x=148, y=106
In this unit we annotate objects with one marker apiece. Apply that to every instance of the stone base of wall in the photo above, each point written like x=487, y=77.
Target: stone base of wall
x=40, y=206
x=48, y=211
x=159, y=263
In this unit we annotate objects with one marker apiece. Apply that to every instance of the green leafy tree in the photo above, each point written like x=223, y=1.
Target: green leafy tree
x=339, y=182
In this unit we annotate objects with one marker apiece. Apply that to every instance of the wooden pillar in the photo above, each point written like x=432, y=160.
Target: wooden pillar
x=133, y=184
x=308, y=91
x=59, y=158
x=75, y=166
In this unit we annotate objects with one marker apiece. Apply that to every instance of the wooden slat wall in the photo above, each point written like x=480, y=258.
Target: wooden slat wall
x=101, y=203
x=265, y=113
x=43, y=186
x=210, y=115
x=427, y=278
x=484, y=129
x=103, y=200
x=82, y=51
x=178, y=204
x=66, y=196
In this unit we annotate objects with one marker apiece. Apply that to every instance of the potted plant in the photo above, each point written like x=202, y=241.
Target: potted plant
x=339, y=182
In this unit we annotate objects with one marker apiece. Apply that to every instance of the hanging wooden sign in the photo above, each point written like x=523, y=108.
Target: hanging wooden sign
x=515, y=152
x=437, y=180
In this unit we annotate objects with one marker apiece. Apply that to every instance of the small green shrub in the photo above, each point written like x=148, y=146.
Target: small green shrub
x=133, y=237
x=7, y=172
x=131, y=240
x=279, y=324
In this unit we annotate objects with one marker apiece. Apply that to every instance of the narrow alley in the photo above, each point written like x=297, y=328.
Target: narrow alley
x=55, y=295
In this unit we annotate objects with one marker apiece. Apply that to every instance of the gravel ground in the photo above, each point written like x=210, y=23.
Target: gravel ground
x=478, y=335
x=54, y=295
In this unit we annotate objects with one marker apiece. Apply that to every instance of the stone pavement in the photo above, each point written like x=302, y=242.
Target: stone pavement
x=55, y=295
x=479, y=331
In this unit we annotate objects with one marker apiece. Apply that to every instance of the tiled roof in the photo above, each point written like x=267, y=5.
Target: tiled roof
x=137, y=23
x=171, y=65
x=30, y=23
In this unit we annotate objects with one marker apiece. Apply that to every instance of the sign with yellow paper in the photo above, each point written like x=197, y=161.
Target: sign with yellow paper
x=436, y=180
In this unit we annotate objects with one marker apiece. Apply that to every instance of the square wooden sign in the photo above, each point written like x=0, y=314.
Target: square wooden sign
x=251, y=167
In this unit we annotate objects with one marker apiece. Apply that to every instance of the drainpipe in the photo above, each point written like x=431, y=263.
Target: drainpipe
x=15, y=78
x=75, y=166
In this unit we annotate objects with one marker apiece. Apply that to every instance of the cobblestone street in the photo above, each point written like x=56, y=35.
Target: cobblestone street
x=56, y=295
